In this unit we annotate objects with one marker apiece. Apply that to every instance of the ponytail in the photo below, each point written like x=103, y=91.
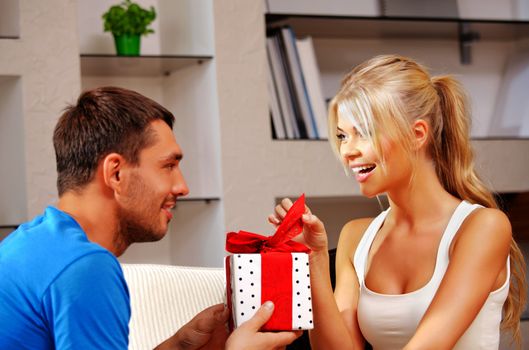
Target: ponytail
x=453, y=154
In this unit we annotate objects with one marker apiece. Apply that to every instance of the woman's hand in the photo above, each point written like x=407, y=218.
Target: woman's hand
x=314, y=235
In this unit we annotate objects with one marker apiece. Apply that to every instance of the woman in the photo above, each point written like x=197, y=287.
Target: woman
x=435, y=270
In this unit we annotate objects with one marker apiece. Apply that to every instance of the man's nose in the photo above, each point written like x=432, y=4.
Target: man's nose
x=180, y=186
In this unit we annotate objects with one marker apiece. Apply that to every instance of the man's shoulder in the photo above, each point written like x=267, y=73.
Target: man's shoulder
x=38, y=251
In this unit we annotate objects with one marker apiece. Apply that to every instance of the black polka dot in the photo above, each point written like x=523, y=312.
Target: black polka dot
x=240, y=267
x=310, y=310
x=310, y=321
x=251, y=260
x=251, y=283
x=253, y=307
x=240, y=278
x=297, y=281
x=239, y=256
x=299, y=316
x=251, y=272
x=242, y=301
x=240, y=290
x=299, y=327
x=253, y=296
x=299, y=305
x=242, y=313
x=307, y=264
x=297, y=293
x=297, y=270
x=308, y=275
x=296, y=258
x=309, y=298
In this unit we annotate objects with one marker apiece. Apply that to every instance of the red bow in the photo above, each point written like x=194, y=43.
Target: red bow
x=248, y=242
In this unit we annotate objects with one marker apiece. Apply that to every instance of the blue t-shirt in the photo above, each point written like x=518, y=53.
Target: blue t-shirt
x=58, y=290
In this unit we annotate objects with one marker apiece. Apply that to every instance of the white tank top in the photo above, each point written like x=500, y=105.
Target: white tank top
x=388, y=321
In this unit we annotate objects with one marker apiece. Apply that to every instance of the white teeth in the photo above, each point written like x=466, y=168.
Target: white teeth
x=357, y=169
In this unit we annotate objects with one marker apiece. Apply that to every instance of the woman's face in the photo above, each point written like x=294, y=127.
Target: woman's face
x=372, y=174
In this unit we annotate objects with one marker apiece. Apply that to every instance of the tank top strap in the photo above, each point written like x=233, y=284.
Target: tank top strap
x=362, y=250
x=458, y=217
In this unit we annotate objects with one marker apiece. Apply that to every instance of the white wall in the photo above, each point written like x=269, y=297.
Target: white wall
x=47, y=61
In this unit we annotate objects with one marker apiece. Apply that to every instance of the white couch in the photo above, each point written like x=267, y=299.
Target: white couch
x=163, y=298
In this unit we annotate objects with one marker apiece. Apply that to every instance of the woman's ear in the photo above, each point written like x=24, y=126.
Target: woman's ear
x=113, y=165
x=421, y=130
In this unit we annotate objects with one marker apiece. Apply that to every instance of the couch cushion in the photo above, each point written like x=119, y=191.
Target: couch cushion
x=163, y=298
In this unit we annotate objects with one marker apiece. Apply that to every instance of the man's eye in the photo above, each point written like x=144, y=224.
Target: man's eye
x=170, y=166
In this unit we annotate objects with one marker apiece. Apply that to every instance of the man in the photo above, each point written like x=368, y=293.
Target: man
x=61, y=285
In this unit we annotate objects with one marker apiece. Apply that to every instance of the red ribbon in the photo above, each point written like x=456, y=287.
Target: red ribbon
x=248, y=242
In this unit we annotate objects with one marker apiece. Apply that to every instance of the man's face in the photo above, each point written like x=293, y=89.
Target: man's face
x=152, y=188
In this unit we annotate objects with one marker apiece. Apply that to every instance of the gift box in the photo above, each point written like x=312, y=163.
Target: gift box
x=271, y=268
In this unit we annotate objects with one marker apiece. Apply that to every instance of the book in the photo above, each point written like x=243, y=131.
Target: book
x=273, y=103
x=311, y=74
x=303, y=108
x=282, y=90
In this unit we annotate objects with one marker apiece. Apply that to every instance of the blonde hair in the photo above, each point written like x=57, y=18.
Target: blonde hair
x=388, y=93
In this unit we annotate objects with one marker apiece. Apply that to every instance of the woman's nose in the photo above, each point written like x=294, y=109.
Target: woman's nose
x=350, y=150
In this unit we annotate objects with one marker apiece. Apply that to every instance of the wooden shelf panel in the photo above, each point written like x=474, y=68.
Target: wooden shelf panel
x=148, y=65
x=396, y=27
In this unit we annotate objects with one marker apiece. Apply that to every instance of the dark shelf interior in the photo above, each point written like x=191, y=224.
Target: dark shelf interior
x=198, y=199
x=146, y=65
x=396, y=27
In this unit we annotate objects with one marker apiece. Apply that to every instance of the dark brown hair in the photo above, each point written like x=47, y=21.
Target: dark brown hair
x=104, y=120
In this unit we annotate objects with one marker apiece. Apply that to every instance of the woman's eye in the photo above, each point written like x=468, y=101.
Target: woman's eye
x=341, y=137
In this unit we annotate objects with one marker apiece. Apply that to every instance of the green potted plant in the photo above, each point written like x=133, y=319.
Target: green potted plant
x=128, y=22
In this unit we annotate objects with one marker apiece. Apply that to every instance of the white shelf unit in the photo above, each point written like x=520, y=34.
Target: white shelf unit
x=342, y=42
x=433, y=41
x=257, y=170
x=38, y=75
x=176, y=69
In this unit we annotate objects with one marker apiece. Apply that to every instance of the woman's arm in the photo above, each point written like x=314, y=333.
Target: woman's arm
x=335, y=320
x=478, y=258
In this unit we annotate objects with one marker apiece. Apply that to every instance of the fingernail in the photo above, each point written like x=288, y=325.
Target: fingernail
x=268, y=305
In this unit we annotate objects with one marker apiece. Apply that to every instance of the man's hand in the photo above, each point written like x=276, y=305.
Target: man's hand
x=247, y=336
x=207, y=330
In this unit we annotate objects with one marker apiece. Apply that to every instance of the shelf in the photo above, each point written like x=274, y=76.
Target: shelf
x=475, y=138
x=396, y=27
x=147, y=65
x=9, y=19
x=202, y=199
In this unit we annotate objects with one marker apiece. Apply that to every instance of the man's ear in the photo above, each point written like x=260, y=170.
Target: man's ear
x=421, y=130
x=113, y=166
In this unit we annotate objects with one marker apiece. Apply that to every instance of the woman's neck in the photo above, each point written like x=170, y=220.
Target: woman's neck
x=423, y=201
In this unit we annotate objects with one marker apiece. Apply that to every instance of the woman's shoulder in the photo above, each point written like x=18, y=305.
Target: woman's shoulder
x=485, y=225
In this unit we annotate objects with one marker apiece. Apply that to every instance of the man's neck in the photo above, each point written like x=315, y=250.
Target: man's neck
x=96, y=215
